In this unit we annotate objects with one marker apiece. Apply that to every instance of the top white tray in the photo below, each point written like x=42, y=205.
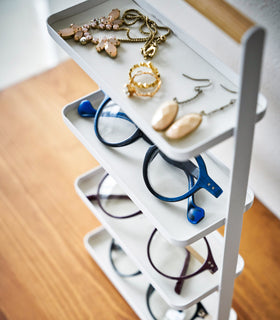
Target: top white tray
x=179, y=54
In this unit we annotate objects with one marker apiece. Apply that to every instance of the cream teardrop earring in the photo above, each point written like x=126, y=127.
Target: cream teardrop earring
x=191, y=121
x=167, y=112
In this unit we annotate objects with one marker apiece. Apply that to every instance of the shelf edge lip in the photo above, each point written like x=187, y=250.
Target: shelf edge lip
x=70, y=11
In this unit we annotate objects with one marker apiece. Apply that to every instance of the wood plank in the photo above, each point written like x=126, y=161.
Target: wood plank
x=45, y=272
x=225, y=16
x=257, y=294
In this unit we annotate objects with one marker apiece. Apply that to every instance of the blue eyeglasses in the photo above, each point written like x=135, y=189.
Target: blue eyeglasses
x=162, y=175
x=189, y=169
x=112, y=126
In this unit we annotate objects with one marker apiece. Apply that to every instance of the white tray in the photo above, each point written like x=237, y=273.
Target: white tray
x=132, y=234
x=133, y=289
x=125, y=166
x=180, y=54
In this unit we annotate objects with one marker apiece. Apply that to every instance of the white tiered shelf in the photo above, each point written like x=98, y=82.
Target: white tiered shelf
x=125, y=166
x=173, y=58
x=133, y=289
x=133, y=234
x=179, y=54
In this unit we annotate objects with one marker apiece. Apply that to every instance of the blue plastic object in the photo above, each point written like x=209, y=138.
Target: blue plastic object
x=194, y=212
x=86, y=109
x=199, y=173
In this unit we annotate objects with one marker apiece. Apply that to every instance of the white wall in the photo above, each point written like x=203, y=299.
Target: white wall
x=265, y=168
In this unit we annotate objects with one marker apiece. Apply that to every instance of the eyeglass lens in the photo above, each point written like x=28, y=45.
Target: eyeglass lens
x=113, y=201
x=160, y=310
x=169, y=260
x=166, y=179
x=113, y=125
x=121, y=263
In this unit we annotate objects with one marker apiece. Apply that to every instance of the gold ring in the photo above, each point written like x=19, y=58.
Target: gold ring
x=140, y=88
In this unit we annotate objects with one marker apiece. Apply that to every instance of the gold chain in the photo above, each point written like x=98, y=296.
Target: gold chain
x=148, y=28
x=130, y=17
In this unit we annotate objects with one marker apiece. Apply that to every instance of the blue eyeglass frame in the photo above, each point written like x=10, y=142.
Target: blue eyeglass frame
x=194, y=212
x=199, y=173
x=86, y=110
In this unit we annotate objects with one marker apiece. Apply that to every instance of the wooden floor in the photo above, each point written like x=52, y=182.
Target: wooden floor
x=45, y=272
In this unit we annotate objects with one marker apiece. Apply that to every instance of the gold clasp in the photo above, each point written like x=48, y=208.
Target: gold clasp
x=149, y=52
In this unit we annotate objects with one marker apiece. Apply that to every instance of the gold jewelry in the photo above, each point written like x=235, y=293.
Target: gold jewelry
x=131, y=89
x=113, y=22
x=140, y=88
x=167, y=112
x=152, y=40
x=151, y=70
x=190, y=122
x=186, y=124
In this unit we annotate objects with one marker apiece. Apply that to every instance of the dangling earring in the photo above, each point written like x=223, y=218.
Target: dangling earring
x=167, y=112
x=191, y=121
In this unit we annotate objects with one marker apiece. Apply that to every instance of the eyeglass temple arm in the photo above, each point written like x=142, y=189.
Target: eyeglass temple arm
x=191, y=251
x=94, y=197
x=204, y=181
x=195, y=213
x=180, y=283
